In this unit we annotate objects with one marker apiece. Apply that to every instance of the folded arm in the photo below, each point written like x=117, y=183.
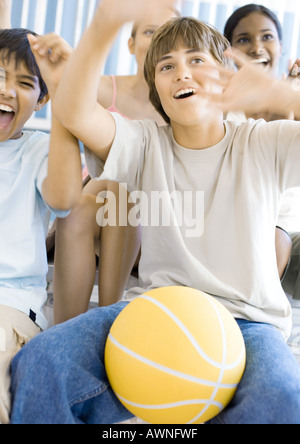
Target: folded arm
x=62, y=187
x=63, y=184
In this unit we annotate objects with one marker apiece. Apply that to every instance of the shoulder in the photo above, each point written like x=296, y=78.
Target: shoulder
x=139, y=138
x=274, y=131
x=268, y=139
x=250, y=128
x=35, y=145
x=147, y=129
x=36, y=138
x=32, y=137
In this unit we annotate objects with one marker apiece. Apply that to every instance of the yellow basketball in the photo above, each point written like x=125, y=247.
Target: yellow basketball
x=175, y=356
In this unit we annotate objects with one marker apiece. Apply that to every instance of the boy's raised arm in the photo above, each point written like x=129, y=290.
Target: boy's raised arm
x=76, y=102
x=5, y=13
x=63, y=184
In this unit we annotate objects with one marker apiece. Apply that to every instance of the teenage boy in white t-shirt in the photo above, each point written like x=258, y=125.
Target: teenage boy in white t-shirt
x=26, y=196
x=235, y=176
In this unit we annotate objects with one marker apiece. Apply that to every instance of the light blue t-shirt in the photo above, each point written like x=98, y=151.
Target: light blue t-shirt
x=24, y=220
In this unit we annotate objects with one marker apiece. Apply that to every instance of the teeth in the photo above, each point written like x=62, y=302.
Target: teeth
x=258, y=61
x=184, y=92
x=6, y=108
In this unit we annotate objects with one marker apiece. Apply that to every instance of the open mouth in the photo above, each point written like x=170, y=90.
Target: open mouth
x=6, y=116
x=184, y=94
x=263, y=61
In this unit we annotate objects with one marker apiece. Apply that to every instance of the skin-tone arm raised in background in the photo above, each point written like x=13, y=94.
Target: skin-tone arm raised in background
x=84, y=70
x=5, y=14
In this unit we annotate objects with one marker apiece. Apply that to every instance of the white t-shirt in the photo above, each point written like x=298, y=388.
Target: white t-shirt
x=289, y=211
x=24, y=219
x=242, y=180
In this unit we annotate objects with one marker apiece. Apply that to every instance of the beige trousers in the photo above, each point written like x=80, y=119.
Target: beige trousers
x=16, y=329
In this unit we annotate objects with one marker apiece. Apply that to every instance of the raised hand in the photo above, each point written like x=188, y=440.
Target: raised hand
x=51, y=53
x=295, y=69
x=252, y=90
x=122, y=11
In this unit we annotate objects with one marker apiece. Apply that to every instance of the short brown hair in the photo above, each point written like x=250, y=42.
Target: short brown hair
x=183, y=31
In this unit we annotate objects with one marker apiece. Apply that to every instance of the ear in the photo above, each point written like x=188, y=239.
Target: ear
x=41, y=103
x=131, y=45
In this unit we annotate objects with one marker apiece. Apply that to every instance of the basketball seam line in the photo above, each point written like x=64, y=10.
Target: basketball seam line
x=191, y=337
x=170, y=405
x=168, y=370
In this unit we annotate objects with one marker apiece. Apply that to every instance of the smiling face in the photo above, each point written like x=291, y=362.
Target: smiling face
x=181, y=80
x=19, y=98
x=256, y=35
x=174, y=65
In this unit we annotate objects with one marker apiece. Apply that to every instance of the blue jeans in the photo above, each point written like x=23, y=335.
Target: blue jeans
x=59, y=377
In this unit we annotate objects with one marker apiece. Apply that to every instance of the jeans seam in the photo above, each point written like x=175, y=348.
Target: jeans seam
x=95, y=392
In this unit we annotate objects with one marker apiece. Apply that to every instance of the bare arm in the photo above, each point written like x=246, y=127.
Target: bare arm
x=76, y=102
x=63, y=184
x=5, y=14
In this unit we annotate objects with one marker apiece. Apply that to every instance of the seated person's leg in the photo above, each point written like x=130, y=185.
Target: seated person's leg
x=269, y=392
x=16, y=329
x=60, y=378
x=78, y=238
x=119, y=248
x=74, y=263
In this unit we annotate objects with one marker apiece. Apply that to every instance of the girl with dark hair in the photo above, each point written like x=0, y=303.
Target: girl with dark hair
x=256, y=31
x=243, y=12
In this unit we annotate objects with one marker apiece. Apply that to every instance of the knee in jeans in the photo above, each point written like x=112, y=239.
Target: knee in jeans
x=285, y=408
x=289, y=399
x=34, y=355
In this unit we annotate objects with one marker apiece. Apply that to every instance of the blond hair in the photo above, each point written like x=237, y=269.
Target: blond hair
x=179, y=32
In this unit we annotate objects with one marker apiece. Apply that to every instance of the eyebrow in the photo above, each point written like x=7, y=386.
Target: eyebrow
x=168, y=56
x=149, y=26
x=261, y=31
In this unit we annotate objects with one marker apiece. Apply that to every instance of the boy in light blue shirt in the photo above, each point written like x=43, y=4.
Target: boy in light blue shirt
x=25, y=203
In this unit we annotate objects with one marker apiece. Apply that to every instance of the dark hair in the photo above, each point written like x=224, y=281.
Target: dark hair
x=14, y=43
x=186, y=31
x=243, y=12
